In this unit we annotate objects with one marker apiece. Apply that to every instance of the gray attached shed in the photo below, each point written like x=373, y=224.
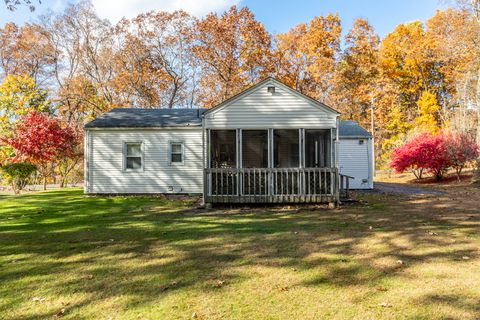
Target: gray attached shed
x=355, y=154
x=270, y=143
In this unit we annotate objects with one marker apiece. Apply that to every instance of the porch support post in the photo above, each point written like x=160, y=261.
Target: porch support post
x=301, y=160
x=238, y=142
x=206, y=162
x=271, y=160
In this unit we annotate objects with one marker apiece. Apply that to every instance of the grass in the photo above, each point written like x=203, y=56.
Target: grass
x=391, y=257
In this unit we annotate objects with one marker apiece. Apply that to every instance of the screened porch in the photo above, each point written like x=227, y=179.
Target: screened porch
x=271, y=166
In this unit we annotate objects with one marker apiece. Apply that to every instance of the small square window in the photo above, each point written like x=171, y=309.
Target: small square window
x=176, y=152
x=133, y=156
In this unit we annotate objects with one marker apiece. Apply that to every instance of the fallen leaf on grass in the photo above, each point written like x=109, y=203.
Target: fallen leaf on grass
x=400, y=262
x=385, y=305
x=60, y=313
x=219, y=283
x=465, y=258
x=38, y=299
x=382, y=289
x=169, y=286
x=89, y=276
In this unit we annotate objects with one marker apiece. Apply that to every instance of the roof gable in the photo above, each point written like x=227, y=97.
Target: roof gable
x=267, y=82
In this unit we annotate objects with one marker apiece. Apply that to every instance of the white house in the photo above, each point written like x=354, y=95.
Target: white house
x=269, y=143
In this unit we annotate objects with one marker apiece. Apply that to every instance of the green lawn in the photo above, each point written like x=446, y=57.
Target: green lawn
x=394, y=257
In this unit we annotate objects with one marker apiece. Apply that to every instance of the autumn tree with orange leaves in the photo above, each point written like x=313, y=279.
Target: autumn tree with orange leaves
x=356, y=78
x=233, y=50
x=305, y=56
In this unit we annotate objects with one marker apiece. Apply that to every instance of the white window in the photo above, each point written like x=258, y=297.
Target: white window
x=176, y=152
x=133, y=156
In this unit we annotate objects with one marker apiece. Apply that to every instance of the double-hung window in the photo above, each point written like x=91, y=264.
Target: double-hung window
x=176, y=153
x=133, y=156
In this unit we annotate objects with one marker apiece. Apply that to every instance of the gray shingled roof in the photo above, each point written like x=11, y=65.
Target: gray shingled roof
x=148, y=118
x=351, y=129
x=158, y=118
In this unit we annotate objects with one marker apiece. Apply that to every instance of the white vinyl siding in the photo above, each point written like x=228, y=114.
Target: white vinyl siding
x=106, y=172
x=355, y=160
x=261, y=110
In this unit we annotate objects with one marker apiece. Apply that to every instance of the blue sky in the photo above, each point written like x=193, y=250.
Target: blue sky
x=276, y=15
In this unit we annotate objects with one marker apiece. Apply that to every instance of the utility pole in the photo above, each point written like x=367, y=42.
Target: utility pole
x=372, y=131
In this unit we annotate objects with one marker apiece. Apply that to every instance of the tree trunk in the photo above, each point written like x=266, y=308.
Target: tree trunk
x=44, y=183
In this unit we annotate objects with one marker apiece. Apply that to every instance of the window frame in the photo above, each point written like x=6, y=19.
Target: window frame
x=170, y=153
x=125, y=156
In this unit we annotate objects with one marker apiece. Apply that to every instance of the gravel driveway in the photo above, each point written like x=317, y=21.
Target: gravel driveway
x=387, y=187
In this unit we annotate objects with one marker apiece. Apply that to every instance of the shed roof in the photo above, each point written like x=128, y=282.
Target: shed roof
x=351, y=129
x=148, y=118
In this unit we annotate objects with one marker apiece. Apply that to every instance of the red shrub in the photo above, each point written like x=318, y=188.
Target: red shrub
x=434, y=154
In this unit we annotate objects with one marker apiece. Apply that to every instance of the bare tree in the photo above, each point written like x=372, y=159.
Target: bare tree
x=12, y=5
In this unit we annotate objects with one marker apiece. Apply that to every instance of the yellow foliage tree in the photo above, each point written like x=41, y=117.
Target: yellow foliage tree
x=427, y=113
x=18, y=96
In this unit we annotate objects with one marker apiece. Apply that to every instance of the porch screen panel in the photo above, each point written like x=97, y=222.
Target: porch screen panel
x=254, y=157
x=223, y=148
x=223, y=156
x=255, y=148
x=318, y=155
x=317, y=148
x=286, y=149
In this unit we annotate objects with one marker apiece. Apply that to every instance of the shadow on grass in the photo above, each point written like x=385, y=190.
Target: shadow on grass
x=146, y=248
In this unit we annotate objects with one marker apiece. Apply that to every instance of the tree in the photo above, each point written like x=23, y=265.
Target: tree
x=40, y=139
x=84, y=48
x=156, y=62
x=12, y=5
x=19, y=96
x=435, y=153
x=427, y=113
x=461, y=150
x=26, y=50
x=425, y=152
x=407, y=60
x=233, y=51
x=409, y=157
x=305, y=56
x=18, y=174
x=357, y=72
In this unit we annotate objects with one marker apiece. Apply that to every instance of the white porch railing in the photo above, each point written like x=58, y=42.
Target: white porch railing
x=271, y=185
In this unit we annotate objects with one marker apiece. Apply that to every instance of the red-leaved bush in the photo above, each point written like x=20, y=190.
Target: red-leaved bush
x=40, y=139
x=434, y=153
